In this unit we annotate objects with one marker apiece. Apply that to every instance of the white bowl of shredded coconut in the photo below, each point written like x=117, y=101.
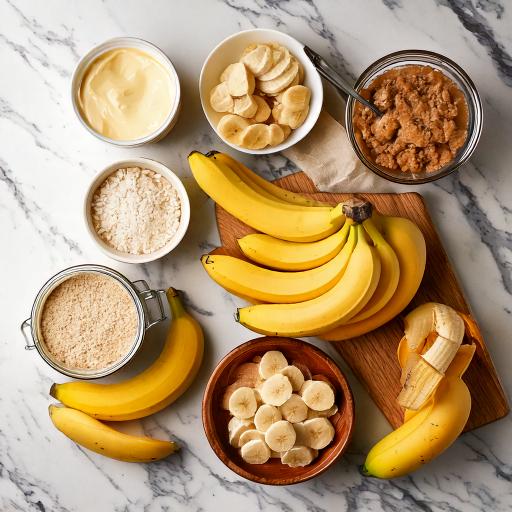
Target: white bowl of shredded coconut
x=137, y=210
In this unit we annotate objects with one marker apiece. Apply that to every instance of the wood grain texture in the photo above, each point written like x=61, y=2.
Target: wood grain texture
x=372, y=357
x=300, y=353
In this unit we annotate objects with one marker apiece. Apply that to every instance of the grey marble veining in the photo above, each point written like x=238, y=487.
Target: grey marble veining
x=47, y=159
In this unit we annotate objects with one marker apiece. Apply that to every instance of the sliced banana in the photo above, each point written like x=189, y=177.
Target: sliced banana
x=322, y=414
x=240, y=80
x=293, y=119
x=279, y=95
x=279, y=83
x=276, y=390
x=296, y=97
x=250, y=435
x=280, y=436
x=279, y=66
x=277, y=111
x=265, y=416
x=220, y=99
x=225, y=74
x=300, y=433
x=276, y=134
x=294, y=409
x=319, y=433
x=236, y=428
x=242, y=403
x=249, y=48
x=231, y=127
x=301, y=73
x=255, y=452
x=298, y=456
x=271, y=363
x=275, y=455
x=259, y=60
x=245, y=106
x=255, y=136
x=295, y=376
x=317, y=395
x=263, y=111
x=286, y=130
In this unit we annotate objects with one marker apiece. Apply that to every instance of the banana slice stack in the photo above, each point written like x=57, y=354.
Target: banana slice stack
x=283, y=416
x=262, y=97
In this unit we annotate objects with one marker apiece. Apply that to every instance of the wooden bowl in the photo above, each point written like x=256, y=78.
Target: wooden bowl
x=273, y=472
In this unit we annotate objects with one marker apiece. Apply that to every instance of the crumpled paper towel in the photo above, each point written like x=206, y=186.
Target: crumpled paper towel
x=327, y=157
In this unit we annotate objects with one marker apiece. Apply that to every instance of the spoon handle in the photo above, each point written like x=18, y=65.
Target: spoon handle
x=336, y=80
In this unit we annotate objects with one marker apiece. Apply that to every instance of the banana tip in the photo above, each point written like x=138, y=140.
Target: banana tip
x=53, y=390
x=212, y=152
x=237, y=315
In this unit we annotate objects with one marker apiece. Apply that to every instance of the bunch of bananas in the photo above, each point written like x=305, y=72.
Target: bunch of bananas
x=436, y=399
x=149, y=392
x=334, y=271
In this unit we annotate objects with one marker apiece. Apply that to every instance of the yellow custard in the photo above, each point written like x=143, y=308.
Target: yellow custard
x=126, y=94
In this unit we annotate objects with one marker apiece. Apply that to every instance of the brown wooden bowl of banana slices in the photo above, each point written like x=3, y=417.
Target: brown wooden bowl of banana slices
x=278, y=411
x=260, y=92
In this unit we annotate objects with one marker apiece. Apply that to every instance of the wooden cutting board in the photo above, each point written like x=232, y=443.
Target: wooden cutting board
x=372, y=357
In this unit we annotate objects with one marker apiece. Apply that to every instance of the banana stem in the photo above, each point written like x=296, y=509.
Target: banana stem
x=357, y=209
x=175, y=303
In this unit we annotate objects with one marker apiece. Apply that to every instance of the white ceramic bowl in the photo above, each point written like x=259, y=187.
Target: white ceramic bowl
x=153, y=51
x=144, y=163
x=229, y=51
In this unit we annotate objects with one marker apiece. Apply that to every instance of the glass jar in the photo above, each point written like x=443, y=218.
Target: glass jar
x=145, y=300
x=452, y=71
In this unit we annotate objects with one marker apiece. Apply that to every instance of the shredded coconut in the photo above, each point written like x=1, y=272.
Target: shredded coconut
x=136, y=211
x=88, y=322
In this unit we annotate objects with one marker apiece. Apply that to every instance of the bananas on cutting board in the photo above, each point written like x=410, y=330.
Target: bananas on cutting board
x=284, y=415
x=261, y=96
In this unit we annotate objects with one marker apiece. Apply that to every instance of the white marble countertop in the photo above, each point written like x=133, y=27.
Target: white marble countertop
x=47, y=160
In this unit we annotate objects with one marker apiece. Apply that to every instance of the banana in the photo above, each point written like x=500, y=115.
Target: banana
x=262, y=112
x=258, y=60
x=255, y=136
x=407, y=241
x=263, y=186
x=319, y=433
x=323, y=414
x=275, y=134
x=280, y=63
x=240, y=80
x=296, y=98
x=242, y=403
x=276, y=390
x=251, y=435
x=255, y=452
x=245, y=106
x=294, y=409
x=291, y=118
x=261, y=213
x=280, y=436
x=220, y=99
x=98, y=437
x=300, y=434
x=265, y=416
x=343, y=301
x=280, y=82
x=282, y=255
x=231, y=127
x=153, y=389
x=298, y=456
x=236, y=428
x=318, y=395
x=263, y=285
x=272, y=362
x=295, y=376
x=389, y=275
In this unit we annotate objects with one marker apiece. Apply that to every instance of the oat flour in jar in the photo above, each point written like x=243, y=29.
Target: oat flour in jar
x=88, y=322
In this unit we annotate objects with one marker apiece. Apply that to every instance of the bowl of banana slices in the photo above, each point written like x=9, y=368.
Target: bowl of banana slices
x=260, y=92
x=278, y=411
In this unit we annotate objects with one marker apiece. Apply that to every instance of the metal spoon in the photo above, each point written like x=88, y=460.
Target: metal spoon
x=335, y=79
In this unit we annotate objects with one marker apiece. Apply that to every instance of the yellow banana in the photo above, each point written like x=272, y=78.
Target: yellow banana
x=261, y=184
x=291, y=256
x=429, y=431
x=407, y=241
x=100, y=438
x=344, y=300
x=389, y=274
x=248, y=280
x=153, y=389
x=287, y=222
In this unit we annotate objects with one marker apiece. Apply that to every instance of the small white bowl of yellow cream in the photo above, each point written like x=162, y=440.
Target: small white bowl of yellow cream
x=126, y=92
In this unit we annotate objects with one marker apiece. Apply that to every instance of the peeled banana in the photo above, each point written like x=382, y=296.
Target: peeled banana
x=100, y=438
x=152, y=390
